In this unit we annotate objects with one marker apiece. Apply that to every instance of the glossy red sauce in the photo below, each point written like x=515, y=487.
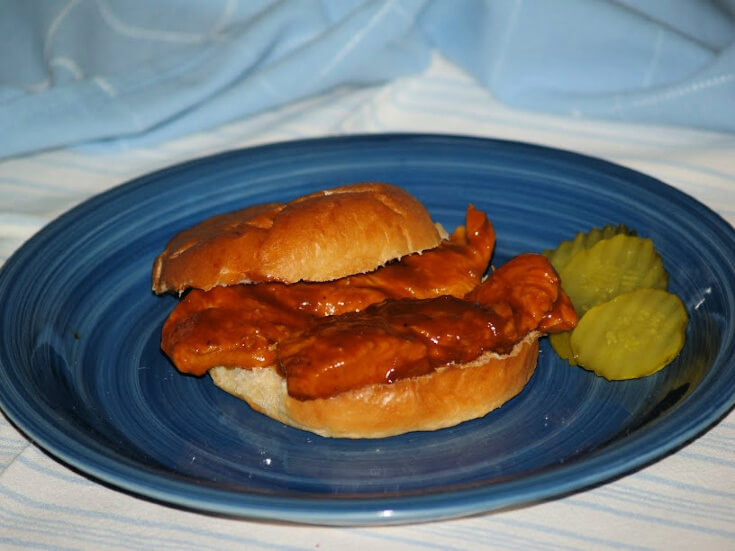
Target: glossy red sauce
x=409, y=337
x=241, y=324
x=402, y=320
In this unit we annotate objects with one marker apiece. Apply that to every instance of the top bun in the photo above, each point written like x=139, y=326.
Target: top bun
x=319, y=237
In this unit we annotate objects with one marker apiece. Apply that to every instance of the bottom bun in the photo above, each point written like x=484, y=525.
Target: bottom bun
x=446, y=397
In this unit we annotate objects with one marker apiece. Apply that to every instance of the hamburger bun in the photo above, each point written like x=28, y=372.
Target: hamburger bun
x=444, y=375
x=443, y=398
x=319, y=237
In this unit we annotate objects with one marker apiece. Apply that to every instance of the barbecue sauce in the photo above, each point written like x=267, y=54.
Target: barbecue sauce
x=403, y=338
x=240, y=325
x=405, y=319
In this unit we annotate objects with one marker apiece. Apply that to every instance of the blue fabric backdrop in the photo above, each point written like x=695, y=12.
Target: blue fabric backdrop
x=131, y=72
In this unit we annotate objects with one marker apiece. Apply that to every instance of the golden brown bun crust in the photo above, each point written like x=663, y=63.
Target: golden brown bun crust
x=319, y=237
x=441, y=399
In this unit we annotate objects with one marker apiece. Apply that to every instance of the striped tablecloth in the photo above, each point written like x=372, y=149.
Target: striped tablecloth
x=684, y=501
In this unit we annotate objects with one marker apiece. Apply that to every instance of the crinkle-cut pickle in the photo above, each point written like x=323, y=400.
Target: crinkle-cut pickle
x=633, y=335
x=613, y=266
x=563, y=253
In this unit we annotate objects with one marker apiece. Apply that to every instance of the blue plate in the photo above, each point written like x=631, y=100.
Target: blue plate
x=82, y=374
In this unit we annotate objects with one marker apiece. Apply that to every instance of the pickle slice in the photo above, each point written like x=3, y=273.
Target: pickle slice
x=633, y=335
x=561, y=255
x=561, y=344
x=612, y=266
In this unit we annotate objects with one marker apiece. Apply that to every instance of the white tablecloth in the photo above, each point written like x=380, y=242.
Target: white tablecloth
x=684, y=501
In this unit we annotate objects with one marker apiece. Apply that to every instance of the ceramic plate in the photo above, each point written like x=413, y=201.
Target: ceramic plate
x=82, y=374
